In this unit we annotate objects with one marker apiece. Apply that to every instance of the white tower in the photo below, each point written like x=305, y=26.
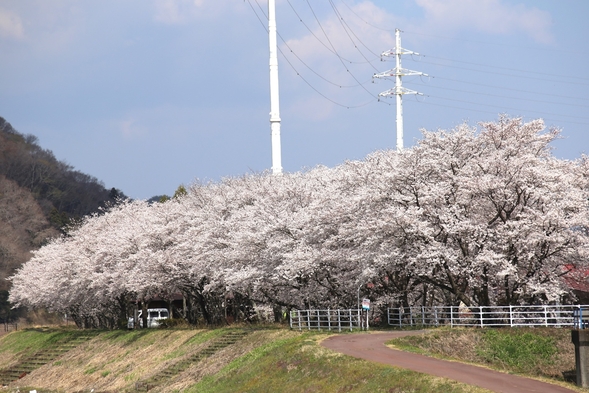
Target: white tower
x=274, y=99
x=398, y=90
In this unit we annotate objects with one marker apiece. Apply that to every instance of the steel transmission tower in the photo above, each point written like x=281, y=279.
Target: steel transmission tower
x=274, y=92
x=398, y=72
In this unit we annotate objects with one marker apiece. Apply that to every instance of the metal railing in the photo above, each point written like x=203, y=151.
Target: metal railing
x=327, y=319
x=10, y=326
x=453, y=316
x=484, y=316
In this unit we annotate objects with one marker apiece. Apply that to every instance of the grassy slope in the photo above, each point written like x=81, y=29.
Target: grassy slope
x=298, y=364
x=269, y=360
x=538, y=352
x=545, y=353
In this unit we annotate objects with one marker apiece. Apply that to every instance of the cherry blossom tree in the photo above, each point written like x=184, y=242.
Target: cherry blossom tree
x=490, y=217
x=483, y=216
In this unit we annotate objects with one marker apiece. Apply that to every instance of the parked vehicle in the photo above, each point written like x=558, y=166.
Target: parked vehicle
x=154, y=316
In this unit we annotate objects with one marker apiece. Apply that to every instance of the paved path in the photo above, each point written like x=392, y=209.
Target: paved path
x=371, y=347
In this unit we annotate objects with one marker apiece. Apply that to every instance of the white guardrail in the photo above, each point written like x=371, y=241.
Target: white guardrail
x=483, y=316
x=328, y=319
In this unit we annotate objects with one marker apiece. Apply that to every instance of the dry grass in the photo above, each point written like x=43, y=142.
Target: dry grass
x=110, y=363
x=114, y=361
x=221, y=359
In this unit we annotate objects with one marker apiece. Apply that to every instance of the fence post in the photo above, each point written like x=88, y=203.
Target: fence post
x=388, y=316
x=451, y=316
x=481, y=315
x=350, y=318
x=510, y=315
x=309, y=319
x=318, y=320
x=545, y=316
x=328, y=320
x=423, y=315
x=401, y=317
x=339, y=321
x=436, y=315
x=410, y=316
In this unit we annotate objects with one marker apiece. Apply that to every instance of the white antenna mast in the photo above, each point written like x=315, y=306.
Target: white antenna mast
x=398, y=90
x=274, y=99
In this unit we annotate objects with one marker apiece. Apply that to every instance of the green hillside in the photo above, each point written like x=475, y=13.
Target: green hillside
x=234, y=360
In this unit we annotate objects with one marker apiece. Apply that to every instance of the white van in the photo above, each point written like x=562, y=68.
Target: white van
x=154, y=316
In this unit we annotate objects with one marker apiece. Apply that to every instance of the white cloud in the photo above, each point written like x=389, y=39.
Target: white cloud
x=169, y=11
x=357, y=43
x=47, y=28
x=178, y=12
x=10, y=25
x=130, y=129
x=343, y=33
x=488, y=16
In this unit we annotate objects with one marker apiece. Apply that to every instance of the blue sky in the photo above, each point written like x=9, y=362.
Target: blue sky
x=146, y=95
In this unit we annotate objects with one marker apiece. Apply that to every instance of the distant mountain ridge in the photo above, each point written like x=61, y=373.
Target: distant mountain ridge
x=39, y=198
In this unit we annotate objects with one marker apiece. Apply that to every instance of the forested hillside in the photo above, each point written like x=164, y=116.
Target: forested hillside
x=62, y=192
x=39, y=198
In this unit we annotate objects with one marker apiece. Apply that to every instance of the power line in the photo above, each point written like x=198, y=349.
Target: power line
x=495, y=43
x=321, y=42
x=513, y=98
x=505, y=68
x=459, y=39
x=507, y=88
x=350, y=33
x=491, y=112
x=315, y=72
x=294, y=68
x=363, y=20
x=304, y=63
x=335, y=51
x=345, y=26
x=503, y=74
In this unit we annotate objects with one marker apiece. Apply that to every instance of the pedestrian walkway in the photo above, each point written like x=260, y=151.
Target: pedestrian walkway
x=372, y=347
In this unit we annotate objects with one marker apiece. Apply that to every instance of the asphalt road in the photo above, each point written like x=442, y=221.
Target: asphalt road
x=371, y=347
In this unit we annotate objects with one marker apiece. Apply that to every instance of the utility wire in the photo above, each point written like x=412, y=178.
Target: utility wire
x=507, y=88
x=337, y=54
x=503, y=74
x=491, y=112
x=513, y=98
x=320, y=41
x=303, y=62
x=315, y=72
x=363, y=20
x=294, y=68
x=496, y=43
x=347, y=27
x=458, y=39
x=504, y=68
